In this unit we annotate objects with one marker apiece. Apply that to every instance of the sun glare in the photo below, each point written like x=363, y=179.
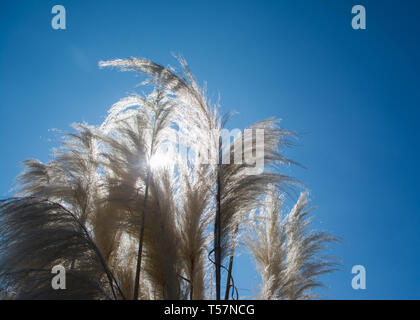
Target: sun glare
x=161, y=160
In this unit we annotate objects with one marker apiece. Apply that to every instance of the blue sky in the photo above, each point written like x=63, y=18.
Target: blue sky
x=351, y=95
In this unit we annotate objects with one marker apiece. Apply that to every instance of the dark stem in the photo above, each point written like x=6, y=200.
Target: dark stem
x=191, y=285
x=229, y=276
x=141, y=237
x=217, y=226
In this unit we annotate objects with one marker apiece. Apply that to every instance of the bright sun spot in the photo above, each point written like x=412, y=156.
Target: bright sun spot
x=160, y=160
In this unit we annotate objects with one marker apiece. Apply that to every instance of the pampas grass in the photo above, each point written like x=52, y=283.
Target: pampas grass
x=131, y=216
x=286, y=249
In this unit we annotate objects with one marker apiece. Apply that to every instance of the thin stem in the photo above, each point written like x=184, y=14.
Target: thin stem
x=229, y=276
x=141, y=237
x=217, y=226
x=191, y=285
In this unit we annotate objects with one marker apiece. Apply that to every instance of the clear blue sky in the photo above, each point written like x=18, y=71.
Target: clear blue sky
x=353, y=97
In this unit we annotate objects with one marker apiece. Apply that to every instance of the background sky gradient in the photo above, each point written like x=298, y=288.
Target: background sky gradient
x=352, y=96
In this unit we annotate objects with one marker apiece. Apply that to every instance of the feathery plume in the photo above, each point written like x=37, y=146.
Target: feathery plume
x=38, y=234
x=285, y=251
